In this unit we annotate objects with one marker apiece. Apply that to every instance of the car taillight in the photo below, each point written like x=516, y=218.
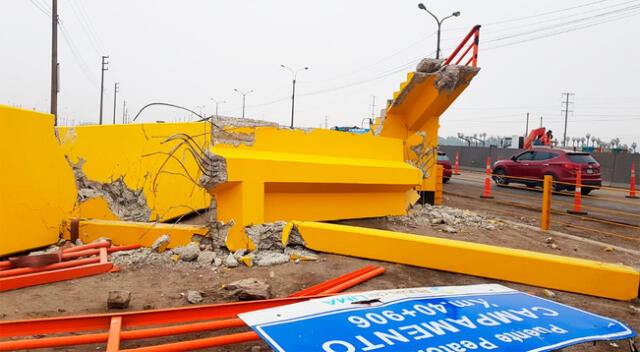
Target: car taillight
x=573, y=168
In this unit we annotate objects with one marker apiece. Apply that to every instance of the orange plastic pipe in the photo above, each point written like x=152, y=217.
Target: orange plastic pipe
x=20, y=271
x=321, y=288
x=348, y=284
x=200, y=343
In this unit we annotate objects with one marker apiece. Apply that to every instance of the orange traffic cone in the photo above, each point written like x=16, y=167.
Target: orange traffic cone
x=632, y=183
x=456, y=171
x=487, y=181
x=577, y=196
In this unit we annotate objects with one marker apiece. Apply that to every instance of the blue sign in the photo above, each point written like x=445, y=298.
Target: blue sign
x=435, y=319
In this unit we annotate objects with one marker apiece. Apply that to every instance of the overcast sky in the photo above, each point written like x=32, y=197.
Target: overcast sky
x=188, y=52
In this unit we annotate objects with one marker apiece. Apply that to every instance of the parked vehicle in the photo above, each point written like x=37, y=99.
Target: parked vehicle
x=443, y=160
x=562, y=164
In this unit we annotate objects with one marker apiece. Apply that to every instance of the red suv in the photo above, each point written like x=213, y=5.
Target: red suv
x=563, y=165
x=443, y=160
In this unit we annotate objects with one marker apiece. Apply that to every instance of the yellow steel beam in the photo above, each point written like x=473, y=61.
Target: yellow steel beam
x=127, y=232
x=37, y=187
x=594, y=278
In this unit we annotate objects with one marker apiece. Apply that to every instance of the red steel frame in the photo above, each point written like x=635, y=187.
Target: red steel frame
x=13, y=278
x=200, y=318
x=473, y=60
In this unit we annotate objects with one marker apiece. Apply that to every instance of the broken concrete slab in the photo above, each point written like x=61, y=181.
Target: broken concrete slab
x=249, y=289
x=160, y=244
x=187, y=253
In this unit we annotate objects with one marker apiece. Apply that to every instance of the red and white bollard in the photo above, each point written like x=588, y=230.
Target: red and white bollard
x=577, y=196
x=632, y=183
x=456, y=171
x=487, y=181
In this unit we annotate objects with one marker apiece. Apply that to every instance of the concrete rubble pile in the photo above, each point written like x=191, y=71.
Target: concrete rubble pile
x=447, y=219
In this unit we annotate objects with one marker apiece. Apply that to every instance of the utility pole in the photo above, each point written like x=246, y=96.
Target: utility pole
x=116, y=87
x=104, y=68
x=54, y=61
x=244, y=96
x=294, y=74
x=566, y=115
x=439, y=22
x=540, y=121
x=326, y=122
x=373, y=108
x=218, y=103
x=124, y=107
x=526, y=129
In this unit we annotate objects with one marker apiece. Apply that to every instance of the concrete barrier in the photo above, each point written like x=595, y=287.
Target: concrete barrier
x=615, y=167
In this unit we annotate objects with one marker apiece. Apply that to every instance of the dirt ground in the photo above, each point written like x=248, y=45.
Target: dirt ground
x=163, y=287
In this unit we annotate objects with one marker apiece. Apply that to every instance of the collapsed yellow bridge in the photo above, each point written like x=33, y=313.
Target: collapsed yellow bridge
x=126, y=182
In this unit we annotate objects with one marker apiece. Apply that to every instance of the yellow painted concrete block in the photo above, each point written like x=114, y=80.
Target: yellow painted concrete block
x=414, y=113
x=583, y=276
x=310, y=175
x=136, y=153
x=37, y=187
x=143, y=233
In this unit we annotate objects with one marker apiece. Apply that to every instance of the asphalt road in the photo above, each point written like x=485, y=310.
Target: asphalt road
x=602, y=204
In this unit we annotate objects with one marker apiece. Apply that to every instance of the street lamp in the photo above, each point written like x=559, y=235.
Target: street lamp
x=294, y=73
x=455, y=14
x=218, y=104
x=244, y=95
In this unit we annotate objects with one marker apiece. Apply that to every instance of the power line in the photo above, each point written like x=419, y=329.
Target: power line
x=74, y=51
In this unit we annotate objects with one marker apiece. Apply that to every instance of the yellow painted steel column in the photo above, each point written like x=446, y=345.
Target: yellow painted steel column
x=583, y=276
x=546, y=202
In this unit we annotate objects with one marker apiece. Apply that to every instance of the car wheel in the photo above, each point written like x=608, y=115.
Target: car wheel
x=557, y=187
x=445, y=179
x=585, y=190
x=499, y=177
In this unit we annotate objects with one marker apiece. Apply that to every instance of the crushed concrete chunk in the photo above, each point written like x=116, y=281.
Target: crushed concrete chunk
x=295, y=238
x=187, y=253
x=194, y=297
x=118, y=299
x=160, y=244
x=215, y=170
x=231, y=261
x=266, y=236
x=268, y=258
x=428, y=65
x=249, y=289
x=206, y=257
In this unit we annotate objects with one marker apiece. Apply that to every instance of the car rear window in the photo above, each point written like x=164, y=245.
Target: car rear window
x=443, y=157
x=582, y=158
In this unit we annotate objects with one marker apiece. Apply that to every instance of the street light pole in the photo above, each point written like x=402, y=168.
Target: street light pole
x=439, y=22
x=218, y=104
x=244, y=95
x=294, y=74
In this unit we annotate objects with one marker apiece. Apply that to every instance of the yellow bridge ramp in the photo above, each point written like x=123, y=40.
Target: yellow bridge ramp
x=588, y=277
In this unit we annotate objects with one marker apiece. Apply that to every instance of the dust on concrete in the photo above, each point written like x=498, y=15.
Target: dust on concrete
x=124, y=202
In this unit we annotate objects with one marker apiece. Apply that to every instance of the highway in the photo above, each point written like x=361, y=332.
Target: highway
x=603, y=204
